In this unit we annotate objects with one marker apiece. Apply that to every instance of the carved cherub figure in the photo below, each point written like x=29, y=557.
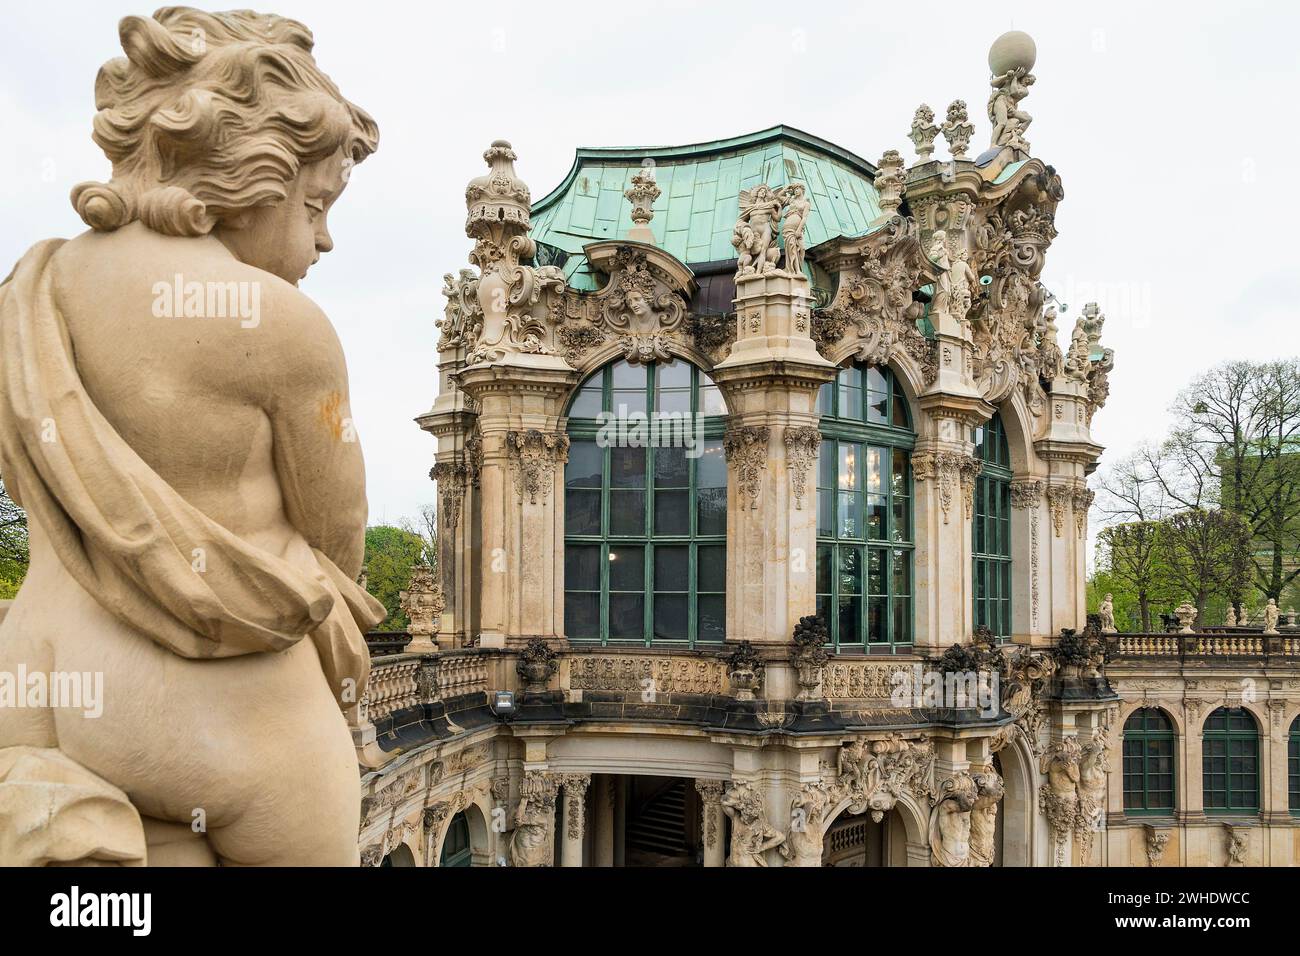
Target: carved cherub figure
x=755, y=234
x=220, y=446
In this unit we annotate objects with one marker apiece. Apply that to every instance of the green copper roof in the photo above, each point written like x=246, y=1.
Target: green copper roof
x=700, y=201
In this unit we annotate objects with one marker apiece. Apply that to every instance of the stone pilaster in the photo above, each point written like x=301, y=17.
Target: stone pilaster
x=603, y=804
x=521, y=507
x=770, y=380
x=1031, y=531
x=711, y=829
x=944, y=473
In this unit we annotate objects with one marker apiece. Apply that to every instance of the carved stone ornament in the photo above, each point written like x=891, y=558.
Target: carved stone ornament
x=803, y=844
x=536, y=665
x=530, y=841
x=889, y=182
x=958, y=129
x=751, y=835
x=952, y=470
x=1009, y=328
x=451, y=477
x=989, y=790
x=710, y=792
x=534, y=456
x=642, y=305
x=1058, y=798
x=1238, y=844
x=745, y=671
x=1011, y=57
x=422, y=601
x=746, y=448
x=1156, y=842
x=950, y=821
x=517, y=304
x=809, y=655
x=642, y=195
x=1059, y=498
x=801, y=445
x=755, y=236
x=924, y=130
x=874, y=774
x=575, y=796
x=1081, y=501
x=874, y=304
x=462, y=308
x=1092, y=793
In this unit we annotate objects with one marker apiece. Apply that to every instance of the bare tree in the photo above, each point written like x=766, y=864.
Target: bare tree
x=425, y=527
x=1206, y=552
x=1237, y=446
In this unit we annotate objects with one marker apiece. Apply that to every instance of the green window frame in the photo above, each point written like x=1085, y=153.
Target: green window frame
x=1293, y=767
x=1230, y=762
x=456, y=850
x=645, y=547
x=1150, y=782
x=865, y=541
x=991, y=530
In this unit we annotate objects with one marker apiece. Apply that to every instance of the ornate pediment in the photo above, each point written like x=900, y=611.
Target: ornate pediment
x=642, y=305
x=873, y=315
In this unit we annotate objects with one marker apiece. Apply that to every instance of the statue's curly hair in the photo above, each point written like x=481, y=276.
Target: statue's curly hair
x=211, y=114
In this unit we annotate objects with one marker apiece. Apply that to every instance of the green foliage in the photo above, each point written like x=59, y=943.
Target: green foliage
x=13, y=546
x=390, y=554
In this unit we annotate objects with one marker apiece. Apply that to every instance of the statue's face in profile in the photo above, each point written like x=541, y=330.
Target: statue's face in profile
x=288, y=238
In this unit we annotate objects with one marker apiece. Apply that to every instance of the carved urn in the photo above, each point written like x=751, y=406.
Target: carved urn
x=536, y=665
x=1186, y=614
x=745, y=671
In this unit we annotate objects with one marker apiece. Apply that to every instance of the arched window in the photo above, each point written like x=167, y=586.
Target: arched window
x=455, y=845
x=1148, y=763
x=864, y=511
x=1293, y=766
x=1230, y=761
x=645, y=519
x=991, y=530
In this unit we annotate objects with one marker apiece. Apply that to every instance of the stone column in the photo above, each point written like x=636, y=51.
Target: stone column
x=711, y=829
x=604, y=800
x=521, y=585
x=770, y=381
x=575, y=817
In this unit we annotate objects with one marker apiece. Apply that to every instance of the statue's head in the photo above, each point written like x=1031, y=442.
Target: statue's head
x=222, y=124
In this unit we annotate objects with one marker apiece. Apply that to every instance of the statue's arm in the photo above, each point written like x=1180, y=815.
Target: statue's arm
x=316, y=450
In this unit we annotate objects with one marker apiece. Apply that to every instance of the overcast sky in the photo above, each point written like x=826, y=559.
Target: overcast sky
x=1171, y=127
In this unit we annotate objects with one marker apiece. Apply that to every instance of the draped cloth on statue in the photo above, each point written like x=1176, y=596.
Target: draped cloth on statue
x=128, y=537
x=54, y=810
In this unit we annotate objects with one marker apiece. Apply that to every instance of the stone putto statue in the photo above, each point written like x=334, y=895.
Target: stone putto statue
x=1270, y=617
x=1107, y=612
x=190, y=470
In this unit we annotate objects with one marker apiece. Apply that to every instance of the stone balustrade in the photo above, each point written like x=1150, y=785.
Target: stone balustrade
x=394, y=686
x=460, y=673
x=1213, y=643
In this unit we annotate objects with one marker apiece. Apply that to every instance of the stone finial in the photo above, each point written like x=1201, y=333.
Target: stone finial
x=924, y=130
x=1010, y=59
x=957, y=129
x=423, y=602
x=1092, y=321
x=642, y=194
x=499, y=196
x=889, y=182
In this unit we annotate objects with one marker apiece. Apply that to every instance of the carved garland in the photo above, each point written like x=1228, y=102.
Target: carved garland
x=952, y=470
x=801, y=445
x=1025, y=496
x=746, y=447
x=1058, y=497
x=533, y=457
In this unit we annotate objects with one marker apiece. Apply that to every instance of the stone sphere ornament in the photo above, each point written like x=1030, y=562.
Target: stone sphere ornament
x=1014, y=49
